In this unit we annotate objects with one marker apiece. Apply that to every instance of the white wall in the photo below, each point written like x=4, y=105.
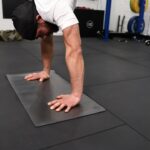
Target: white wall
x=5, y=24
x=94, y=4
x=122, y=7
x=119, y=7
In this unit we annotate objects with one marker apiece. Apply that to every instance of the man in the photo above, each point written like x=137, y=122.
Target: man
x=51, y=12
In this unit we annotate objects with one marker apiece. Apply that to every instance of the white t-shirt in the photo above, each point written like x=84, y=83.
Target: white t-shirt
x=59, y=12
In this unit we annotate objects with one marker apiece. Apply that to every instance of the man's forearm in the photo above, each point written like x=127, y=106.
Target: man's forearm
x=47, y=53
x=75, y=64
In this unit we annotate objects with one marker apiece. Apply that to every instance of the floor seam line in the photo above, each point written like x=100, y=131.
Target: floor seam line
x=82, y=137
x=119, y=118
x=119, y=57
x=114, y=82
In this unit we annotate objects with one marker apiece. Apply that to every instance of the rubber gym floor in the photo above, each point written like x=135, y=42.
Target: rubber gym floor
x=117, y=76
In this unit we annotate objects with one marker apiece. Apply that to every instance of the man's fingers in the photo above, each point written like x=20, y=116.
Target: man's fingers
x=28, y=76
x=41, y=79
x=55, y=105
x=59, y=97
x=32, y=78
x=34, y=73
x=52, y=102
x=41, y=76
x=67, y=109
x=60, y=107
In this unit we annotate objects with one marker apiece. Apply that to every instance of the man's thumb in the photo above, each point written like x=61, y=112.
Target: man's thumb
x=41, y=79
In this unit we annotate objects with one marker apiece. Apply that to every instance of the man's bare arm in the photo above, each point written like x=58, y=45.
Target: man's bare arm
x=46, y=54
x=47, y=47
x=75, y=64
x=74, y=59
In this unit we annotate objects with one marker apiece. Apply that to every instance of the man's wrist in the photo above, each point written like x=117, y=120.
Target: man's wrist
x=47, y=70
x=77, y=96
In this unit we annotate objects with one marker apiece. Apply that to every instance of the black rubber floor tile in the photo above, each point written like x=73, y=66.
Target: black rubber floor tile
x=131, y=50
x=121, y=138
x=101, y=69
x=144, y=61
x=58, y=38
x=14, y=59
x=18, y=132
x=33, y=47
x=129, y=100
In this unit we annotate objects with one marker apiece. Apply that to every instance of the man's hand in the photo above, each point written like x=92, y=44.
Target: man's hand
x=41, y=76
x=64, y=101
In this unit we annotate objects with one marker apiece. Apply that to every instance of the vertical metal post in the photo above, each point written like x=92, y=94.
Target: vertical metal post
x=141, y=15
x=107, y=19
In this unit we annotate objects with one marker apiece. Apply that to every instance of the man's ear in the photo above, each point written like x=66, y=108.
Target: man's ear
x=39, y=19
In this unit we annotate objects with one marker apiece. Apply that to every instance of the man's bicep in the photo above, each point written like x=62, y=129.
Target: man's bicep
x=72, y=36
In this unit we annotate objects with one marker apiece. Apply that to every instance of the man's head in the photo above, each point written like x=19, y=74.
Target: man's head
x=29, y=24
x=44, y=28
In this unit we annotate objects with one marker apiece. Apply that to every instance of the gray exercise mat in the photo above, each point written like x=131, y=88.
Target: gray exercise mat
x=35, y=95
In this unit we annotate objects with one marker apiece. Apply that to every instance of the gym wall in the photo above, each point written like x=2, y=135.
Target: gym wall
x=122, y=7
x=119, y=7
x=147, y=21
x=6, y=24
